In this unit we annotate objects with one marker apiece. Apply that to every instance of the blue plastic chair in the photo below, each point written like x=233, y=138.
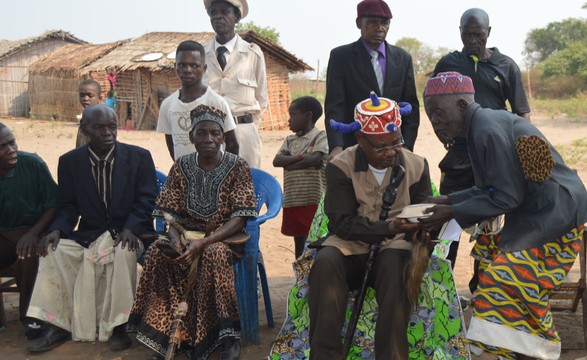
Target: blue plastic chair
x=159, y=221
x=268, y=193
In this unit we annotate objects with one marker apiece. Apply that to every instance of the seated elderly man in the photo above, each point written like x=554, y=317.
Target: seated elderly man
x=358, y=180
x=28, y=197
x=86, y=281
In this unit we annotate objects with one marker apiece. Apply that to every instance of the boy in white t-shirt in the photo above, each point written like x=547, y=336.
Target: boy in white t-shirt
x=174, y=114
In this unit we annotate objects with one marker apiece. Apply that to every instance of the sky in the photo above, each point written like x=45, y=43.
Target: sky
x=308, y=28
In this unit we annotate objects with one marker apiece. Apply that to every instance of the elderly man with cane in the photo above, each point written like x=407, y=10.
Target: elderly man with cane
x=357, y=181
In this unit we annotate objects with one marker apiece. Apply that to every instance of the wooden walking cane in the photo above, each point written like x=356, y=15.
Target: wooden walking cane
x=388, y=200
x=182, y=307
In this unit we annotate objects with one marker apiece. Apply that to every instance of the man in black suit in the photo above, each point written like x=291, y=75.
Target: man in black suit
x=86, y=281
x=353, y=73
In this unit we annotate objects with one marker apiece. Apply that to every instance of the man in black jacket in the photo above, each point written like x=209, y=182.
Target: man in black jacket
x=87, y=277
x=369, y=64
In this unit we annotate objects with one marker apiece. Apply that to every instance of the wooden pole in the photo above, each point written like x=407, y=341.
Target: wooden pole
x=529, y=84
x=143, y=113
x=317, y=77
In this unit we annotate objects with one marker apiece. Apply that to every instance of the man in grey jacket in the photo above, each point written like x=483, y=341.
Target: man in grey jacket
x=517, y=173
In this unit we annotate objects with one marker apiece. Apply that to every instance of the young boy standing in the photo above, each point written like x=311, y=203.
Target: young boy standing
x=90, y=93
x=303, y=159
x=174, y=116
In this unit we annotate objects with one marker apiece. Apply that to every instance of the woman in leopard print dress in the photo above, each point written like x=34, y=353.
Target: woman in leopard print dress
x=203, y=188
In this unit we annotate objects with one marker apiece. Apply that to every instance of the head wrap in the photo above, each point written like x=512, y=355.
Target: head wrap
x=207, y=113
x=239, y=4
x=449, y=83
x=375, y=116
x=373, y=8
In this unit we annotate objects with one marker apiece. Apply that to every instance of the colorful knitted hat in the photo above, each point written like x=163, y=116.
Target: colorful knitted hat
x=449, y=83
x=207, y=113
x=373, y=8
x=375, y=116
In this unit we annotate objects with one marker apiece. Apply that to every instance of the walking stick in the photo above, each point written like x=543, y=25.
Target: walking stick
x=176, y=327
x=182, y=307
x=388, y=200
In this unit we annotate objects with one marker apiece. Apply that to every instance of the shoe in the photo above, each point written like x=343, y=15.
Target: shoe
x=34, y=329
x=231, y=349
x=51, y=337
x=119, y=339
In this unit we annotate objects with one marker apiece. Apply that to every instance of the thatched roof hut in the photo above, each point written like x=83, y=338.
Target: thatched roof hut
x=144, y=75
x=54, y=80
x=15, y=58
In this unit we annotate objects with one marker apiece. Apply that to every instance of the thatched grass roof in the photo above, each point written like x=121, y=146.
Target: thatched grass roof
x=162, y=44
x=126, y=57
x=10, y=47
x=72, y=57
x=269, y=48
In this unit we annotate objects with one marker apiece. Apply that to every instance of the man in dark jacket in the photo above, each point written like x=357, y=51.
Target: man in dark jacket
x=369, y=64
x=87, y=277
x=517, y=173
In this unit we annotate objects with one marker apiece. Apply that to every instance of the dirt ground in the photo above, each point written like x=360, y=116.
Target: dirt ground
x=52, y=139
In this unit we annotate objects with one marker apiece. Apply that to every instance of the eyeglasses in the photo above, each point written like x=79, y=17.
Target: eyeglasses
x=382, y=149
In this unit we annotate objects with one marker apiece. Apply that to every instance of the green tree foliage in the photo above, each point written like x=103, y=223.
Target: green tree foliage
x=266, y=32
x=423, y=56
x=556, y=36
x=557, y=54
x=570, y=61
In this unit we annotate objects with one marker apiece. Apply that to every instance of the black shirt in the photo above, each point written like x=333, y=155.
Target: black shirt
x=496, y=79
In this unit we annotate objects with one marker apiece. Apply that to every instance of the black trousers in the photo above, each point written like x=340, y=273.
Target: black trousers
x=332, y=276
x=26, y=270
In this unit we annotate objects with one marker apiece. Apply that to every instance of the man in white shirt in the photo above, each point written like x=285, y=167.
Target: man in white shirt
x=237, y=72
x=174, y=115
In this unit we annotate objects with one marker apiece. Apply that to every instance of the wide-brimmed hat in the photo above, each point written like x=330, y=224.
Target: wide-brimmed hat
x=239, y=4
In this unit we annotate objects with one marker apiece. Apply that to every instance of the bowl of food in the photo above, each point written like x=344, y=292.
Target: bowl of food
x=413, y=212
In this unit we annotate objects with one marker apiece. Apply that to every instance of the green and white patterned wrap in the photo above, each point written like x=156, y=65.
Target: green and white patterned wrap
x=436, y=330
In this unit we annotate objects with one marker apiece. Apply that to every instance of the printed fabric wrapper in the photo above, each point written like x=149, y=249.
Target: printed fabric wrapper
x=436, y=329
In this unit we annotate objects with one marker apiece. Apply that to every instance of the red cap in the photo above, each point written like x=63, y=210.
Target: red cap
x=373, y=8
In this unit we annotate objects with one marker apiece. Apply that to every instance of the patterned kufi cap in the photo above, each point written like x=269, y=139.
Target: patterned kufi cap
x=207, y=113
x=375, y=116
x=449, y=83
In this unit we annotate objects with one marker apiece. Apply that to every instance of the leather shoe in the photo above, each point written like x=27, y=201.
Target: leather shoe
x=51, y=337
x=231, y=349
x=33, y=329
x=119, y=339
